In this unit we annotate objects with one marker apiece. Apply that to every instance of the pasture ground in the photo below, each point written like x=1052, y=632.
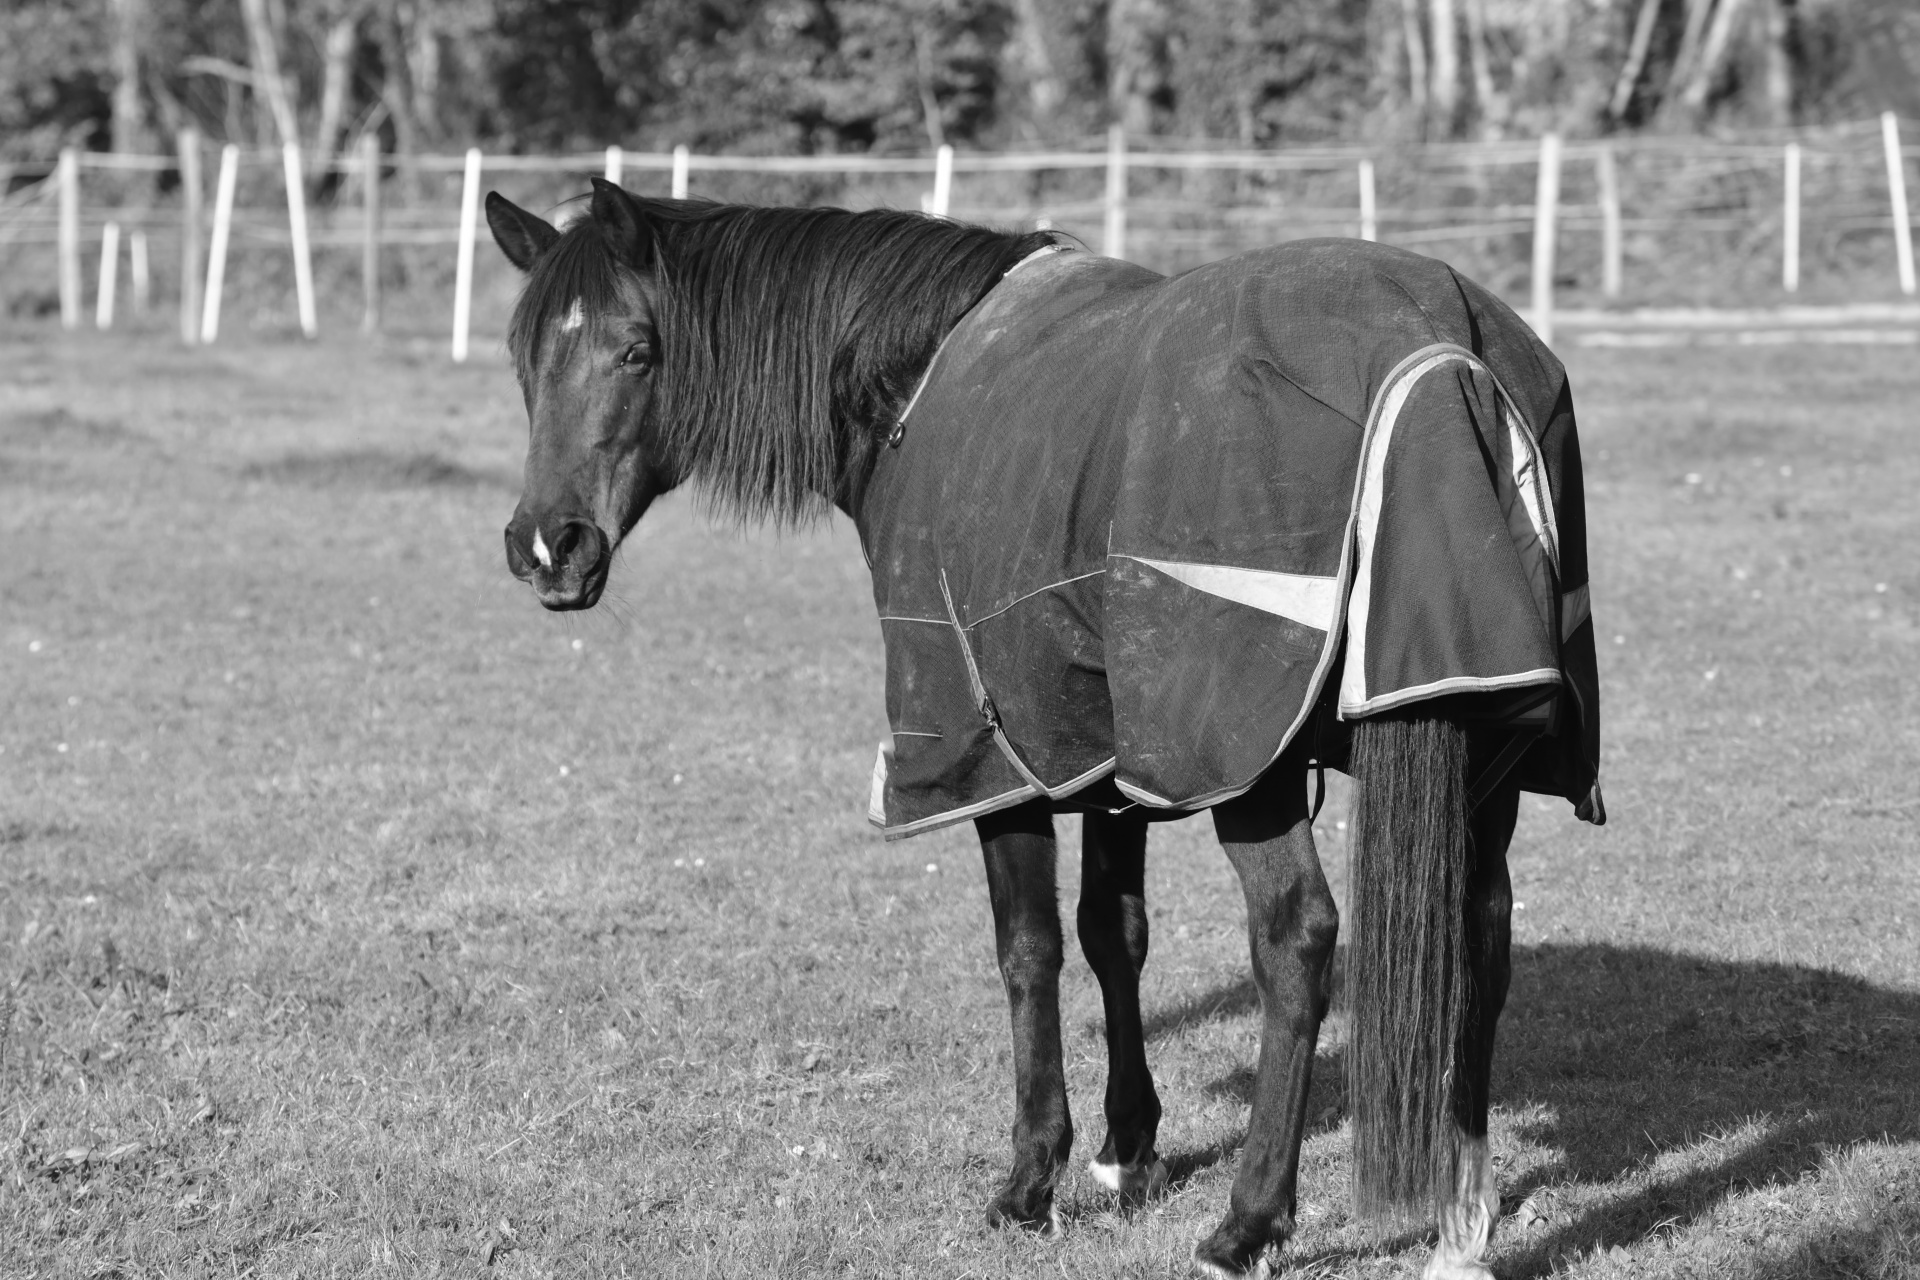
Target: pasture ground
x=359, y=919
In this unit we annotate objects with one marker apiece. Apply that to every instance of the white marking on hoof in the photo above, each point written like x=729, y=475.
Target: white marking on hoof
x=1260, y=1269
x=1055, y=1226
x=1440, y=1268
x=1131, y=1182
x=1467, y=1223
x=575, y=317
x=540, y=552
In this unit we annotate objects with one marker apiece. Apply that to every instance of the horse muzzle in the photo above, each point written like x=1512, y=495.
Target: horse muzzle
x=564, y=561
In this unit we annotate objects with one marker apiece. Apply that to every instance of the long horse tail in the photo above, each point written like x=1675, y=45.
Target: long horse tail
x=1406, y=962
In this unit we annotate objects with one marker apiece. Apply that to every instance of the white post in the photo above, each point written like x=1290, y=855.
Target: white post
x=68, y=180
x=1790, y=222
x=942, y=182
x=1369, y=211
x=137, y=269
x=614, y=165
x=1114, y=241
x=1546, y=207
x=463, y=272
x=370, y=233
x=680, y=157
x=1608, y=179
x=217, y=246
x=302, y=250
x=109, y=272
x=1897, y=190
x=190, y=196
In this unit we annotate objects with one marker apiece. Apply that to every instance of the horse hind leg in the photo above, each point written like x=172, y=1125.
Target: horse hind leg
x=1018, y=845
x=1112, y=922
x=1466, y=1224
x=1291, y=926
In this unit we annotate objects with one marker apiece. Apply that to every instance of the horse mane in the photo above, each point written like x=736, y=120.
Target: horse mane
x=789, y=339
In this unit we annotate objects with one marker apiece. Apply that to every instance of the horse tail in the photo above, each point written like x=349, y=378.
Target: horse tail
x=1406, y=961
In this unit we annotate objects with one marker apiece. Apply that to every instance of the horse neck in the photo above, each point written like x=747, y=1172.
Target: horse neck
x=898, y=317
x=822, y=323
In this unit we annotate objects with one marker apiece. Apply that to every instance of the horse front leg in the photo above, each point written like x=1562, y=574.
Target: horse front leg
x=1112, y=922
x=1466, y=1224
x=1291, y=926
x=1019, y=848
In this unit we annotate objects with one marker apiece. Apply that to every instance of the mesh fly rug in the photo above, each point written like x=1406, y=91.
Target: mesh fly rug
x=1137, y=534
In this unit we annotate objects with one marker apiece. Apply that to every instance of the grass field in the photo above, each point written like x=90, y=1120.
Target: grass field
x=359, y=919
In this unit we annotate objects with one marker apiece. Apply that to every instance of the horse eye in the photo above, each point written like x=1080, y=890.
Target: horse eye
x=637, y=356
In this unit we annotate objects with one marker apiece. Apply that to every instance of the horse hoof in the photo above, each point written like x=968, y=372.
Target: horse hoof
x=1136, y=1183
x=1229, y=1254
x=1255, y=1270
x=1439, y=1268
x=1046, y=1223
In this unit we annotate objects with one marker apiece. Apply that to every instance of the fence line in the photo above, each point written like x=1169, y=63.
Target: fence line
x=1547, y=215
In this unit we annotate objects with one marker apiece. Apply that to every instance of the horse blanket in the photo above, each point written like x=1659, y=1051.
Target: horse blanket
x=1141, y=532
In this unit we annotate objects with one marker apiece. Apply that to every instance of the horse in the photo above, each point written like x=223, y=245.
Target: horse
x=1141, y=547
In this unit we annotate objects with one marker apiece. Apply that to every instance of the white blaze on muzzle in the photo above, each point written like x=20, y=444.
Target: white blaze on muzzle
x=540, y=552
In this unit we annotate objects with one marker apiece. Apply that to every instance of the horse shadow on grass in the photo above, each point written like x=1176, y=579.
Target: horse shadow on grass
x=1753, y=1074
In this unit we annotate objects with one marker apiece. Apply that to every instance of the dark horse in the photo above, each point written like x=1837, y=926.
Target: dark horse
x=1125, y=531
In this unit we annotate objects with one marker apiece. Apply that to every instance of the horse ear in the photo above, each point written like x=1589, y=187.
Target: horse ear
x=522, y=236
x=619, y=218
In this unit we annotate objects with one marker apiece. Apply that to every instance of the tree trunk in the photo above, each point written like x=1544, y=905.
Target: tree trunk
x=1683, y=60
x=425, y=63
x=396, y=87
x=129, y=112
x=1713, y=55
x=1046, y=91
x=1492, y=103
x=342, y=34
x=1136, y=61
x=1445, y=85
x=1416, y=60
x=268, y=84
x=1636, y=59
x=1779, y=57
x=923, y=81
x=1386, y=40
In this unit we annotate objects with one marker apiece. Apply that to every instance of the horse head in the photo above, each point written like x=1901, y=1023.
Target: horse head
x=586, y=349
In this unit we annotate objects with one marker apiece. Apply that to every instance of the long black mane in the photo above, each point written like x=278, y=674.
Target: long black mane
x=789, y=339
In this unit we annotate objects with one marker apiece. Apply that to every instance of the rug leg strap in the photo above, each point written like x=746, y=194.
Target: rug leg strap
x=1500, y=766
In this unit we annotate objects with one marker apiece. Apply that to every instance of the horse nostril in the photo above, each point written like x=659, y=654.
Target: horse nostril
x=519, y=564
x=579, y=545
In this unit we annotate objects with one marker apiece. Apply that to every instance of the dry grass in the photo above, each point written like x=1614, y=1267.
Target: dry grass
x=358, y=919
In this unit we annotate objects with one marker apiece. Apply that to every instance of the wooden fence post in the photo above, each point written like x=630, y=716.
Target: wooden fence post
x=1114, y=240
x=463, y=270
x=68, y=181
x=302, y=249
x=1369, y=210
x=1790, y=221
x=137, y=271
x=1607, y=177
x=616, y=161
x=217, y=249
x=370, y=232
x=1546, y=207
x=680, y=165
x=109, y=275
x=1897, y=192
x=942, y=182
x=188, y=144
